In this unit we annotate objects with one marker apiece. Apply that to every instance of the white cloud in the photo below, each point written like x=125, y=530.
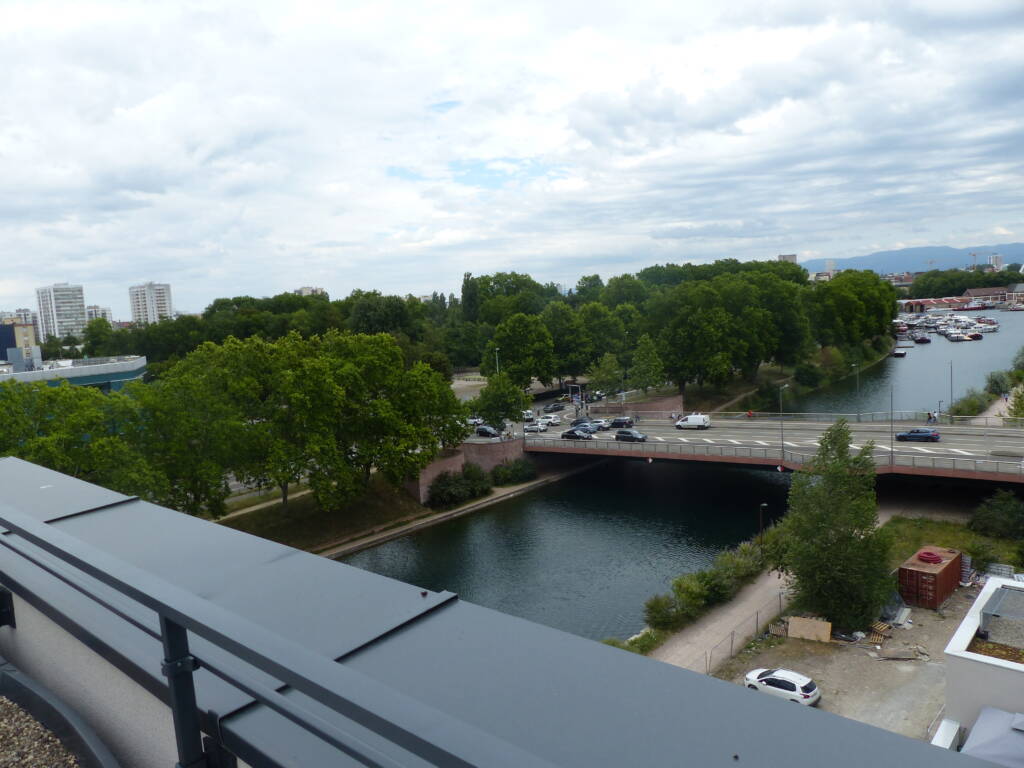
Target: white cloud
x=253, y=148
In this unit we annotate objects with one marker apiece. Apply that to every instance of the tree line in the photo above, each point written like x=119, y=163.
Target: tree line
x=938, y=283
x=685, y=323
x=326, y=410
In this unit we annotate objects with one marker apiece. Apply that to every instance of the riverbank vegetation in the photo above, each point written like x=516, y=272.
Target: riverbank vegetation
x=450, y=489
x=937, y=283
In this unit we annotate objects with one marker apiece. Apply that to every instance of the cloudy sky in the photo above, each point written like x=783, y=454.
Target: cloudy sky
x=249, y=148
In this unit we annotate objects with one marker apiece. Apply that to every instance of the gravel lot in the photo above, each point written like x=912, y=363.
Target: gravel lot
x=900, y=696
x=26, y=744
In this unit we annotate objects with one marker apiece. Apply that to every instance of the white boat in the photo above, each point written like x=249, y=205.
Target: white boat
x=957, y=337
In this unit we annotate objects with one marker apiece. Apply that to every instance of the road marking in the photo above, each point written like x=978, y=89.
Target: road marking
x=761, y=442
x=962, y=453
x=683, y=439
x=814, y=442
x=793, y=445
x=734, y=442
x=922, y=450
x=706, y=440
x=884, y=447
x=855, y=447
x=662, y=439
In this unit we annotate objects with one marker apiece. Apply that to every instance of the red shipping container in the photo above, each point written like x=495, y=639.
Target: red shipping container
x=928, y=585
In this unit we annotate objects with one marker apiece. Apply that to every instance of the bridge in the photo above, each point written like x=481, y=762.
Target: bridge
x=977, y=451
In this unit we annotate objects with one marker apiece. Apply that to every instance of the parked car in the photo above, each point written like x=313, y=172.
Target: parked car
x=475, y=421
x=922, y=434
x=552, y=407
x=694, y=421
x=537, y=426
x=576, y=434
x=621, y=422
x=485, y=431
x=785, y=684
x=630, y=436
x=528, y=415
x=550, y=419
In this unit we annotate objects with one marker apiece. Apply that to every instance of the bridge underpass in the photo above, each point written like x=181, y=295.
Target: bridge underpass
x=968, y=452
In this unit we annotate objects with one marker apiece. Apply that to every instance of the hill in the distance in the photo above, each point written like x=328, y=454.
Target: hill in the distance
x=922, y=259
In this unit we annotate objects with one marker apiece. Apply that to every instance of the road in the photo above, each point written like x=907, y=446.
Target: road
x=956, y=442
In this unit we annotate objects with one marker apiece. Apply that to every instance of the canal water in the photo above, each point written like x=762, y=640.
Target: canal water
x=583, y=554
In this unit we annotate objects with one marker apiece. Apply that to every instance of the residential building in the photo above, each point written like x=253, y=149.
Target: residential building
x=151, y=302
x=309, y=290
x=790, y=257
x=15, y=336
x=93, y=311
x=996, y=261
x=61, y=310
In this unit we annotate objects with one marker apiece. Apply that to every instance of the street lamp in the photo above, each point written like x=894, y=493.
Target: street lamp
x=892, y=428
x=782, y=426
x=857, y=367
x=951, y=389
x=939, y=414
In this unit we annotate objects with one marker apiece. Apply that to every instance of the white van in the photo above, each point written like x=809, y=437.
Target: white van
x=527, y=415
x=694, y=421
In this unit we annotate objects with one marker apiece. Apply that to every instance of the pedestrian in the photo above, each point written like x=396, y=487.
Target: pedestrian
x=750, y=414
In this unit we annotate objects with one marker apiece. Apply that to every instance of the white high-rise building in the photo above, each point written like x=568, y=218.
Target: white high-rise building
x=309, y=290
x=151, y=302
x=61, y=310
x=93, y=311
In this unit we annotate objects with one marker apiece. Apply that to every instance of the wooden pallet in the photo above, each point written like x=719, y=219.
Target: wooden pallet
x=881, y=628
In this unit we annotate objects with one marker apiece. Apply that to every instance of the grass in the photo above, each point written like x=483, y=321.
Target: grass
x=306, y=526
x=251, y=498
x=910, y=534
x=741, y=661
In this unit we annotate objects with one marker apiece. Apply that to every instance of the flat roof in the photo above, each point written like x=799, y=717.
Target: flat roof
x=556, y=698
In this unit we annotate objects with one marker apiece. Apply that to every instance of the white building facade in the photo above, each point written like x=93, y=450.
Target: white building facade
x=93, y=312
x=61, y=310
x=151, y=302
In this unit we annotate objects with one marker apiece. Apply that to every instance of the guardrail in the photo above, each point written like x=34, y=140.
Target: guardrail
x=424, y=733
x=767, y=455
x=635, y=410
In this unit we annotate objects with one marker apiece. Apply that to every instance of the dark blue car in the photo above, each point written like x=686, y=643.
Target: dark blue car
x=921, y=434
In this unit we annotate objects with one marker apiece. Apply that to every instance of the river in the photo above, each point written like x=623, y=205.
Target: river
x=583, y=554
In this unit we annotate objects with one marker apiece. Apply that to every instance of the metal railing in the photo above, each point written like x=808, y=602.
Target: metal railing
x=768, y=453
x=420, y=730
x=917, y=418
x=735, y=640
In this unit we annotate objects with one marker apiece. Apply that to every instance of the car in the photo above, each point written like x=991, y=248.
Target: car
x=537, y=426
x=784, y=683
x=922, y=434
x=475, y=421
x=586, y=426
x=694, y=421
x=621, y=422
x=630, y=436
x=551, y=420
x=552, y=407
x=563, y=398
x=581, y=420
x=485, y=431
x=576, y=434
x=601, y=424
x=528, y=415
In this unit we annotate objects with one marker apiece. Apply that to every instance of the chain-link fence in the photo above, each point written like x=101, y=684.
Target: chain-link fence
x=753, y=625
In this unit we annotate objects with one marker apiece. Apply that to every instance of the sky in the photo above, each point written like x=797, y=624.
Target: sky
x=252, y=148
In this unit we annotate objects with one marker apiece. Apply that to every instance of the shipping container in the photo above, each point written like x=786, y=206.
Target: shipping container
x=928, y=584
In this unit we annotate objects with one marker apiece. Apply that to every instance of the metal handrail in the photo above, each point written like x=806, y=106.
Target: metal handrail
x=428, y=733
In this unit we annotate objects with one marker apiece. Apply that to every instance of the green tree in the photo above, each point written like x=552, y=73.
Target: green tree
x=524, y=351
x=501, y=399
x=569, y=342
x=647, y=370
x=97, y=337
x=606, y=374
x=829, y=540
x=602, y=329
x=51, y=348
x=1000, y=515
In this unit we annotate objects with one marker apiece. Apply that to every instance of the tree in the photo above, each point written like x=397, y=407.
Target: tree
x=603, y=330
x=1000, y=515
x=51, y=348
x=829, y=541
x=647, y=370
x=97, y=337
x=606, y=374
x=501, y=399
x=569, y=342
x=525, y=348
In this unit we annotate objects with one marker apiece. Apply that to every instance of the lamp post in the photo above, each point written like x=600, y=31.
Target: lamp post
x=892, y=428
x=760, y=527
x=497, y=363
x=782, y=426
x=951, y=389
x=939, y=414
x=857, y=367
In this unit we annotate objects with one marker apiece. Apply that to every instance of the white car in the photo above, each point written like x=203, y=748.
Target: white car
x=694, y=421
x=602, y=424
x=785, y=684
x=550, y=419
x=539, y=426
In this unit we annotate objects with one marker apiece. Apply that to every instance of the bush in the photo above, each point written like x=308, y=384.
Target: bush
x=717, y=584
x=971, y=404
x=660, y=612
x=518, y=471
x=807, y=375
x=1000, y=516
x=691, y=596
x=450, y=489
x=983, y=554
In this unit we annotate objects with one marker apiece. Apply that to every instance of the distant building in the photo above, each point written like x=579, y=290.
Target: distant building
x=151, y=302
x=104, y=373
x=14, y=337
x=309, y=290
x=93, y=311
x=996, y=261
x=61, y=310
x=790, y=257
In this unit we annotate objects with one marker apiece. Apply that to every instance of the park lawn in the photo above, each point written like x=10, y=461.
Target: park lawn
x=910, y=534
x=306, y=526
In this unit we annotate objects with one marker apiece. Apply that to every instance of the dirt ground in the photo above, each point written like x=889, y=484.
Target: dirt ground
x=900, y=696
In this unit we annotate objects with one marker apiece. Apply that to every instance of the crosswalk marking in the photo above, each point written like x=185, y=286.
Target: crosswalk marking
x=734, y=442
x=794, y=445
x=706, y=440
x=922, y=450
x=962, y=453
x=761, y=442
x=683, y=439
x=660, y=439
x=884, y=447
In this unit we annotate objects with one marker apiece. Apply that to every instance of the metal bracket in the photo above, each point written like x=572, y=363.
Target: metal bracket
x=7, y=609
x=217, y=756
x=178, y=666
